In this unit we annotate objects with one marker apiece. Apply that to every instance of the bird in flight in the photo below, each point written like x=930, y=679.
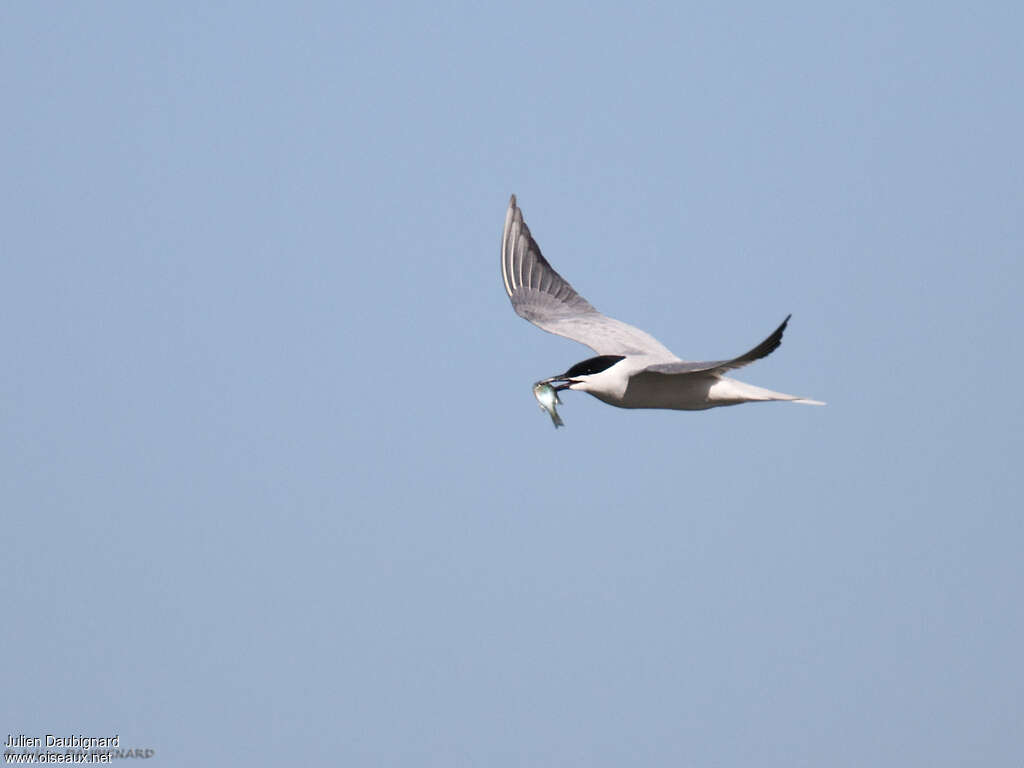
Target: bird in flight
x=632, y=369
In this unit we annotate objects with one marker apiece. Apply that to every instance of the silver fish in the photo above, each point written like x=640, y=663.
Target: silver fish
x=547, y=396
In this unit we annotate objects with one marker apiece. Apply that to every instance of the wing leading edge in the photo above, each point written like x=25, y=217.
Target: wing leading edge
x=542, y=296
x=763, y=349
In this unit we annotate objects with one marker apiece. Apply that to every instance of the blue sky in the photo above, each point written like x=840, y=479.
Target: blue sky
x=275, y=488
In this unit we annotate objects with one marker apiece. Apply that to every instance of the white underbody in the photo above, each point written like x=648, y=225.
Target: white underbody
x=626, y=385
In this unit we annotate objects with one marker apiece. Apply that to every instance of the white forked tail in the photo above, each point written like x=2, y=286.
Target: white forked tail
x=741, y=392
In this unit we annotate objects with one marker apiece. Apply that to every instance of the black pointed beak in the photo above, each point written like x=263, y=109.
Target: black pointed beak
x=566, y=383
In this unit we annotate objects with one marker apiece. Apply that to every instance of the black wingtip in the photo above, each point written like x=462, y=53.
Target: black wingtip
x=766, y=347
x=782, y=328
x=774, y=341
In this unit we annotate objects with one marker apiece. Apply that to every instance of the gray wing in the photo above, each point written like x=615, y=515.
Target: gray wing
x=763, y=349
x=542, y=296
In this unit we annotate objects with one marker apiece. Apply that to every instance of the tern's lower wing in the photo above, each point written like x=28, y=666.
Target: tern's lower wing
x=542, y=296
x=763, y=349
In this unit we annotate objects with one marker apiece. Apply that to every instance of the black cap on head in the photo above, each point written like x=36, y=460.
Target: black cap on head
x=593, y=365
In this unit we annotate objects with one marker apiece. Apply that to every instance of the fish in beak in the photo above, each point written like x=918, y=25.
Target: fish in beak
x=547, y=396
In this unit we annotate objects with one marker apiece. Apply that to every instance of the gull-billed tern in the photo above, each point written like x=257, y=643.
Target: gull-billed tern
x=632, y=369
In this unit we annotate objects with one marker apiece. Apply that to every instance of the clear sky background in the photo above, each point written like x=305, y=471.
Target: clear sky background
x=275, y=489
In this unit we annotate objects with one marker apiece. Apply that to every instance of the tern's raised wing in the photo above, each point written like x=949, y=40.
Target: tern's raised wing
x=542, y=296
x=763, y=349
